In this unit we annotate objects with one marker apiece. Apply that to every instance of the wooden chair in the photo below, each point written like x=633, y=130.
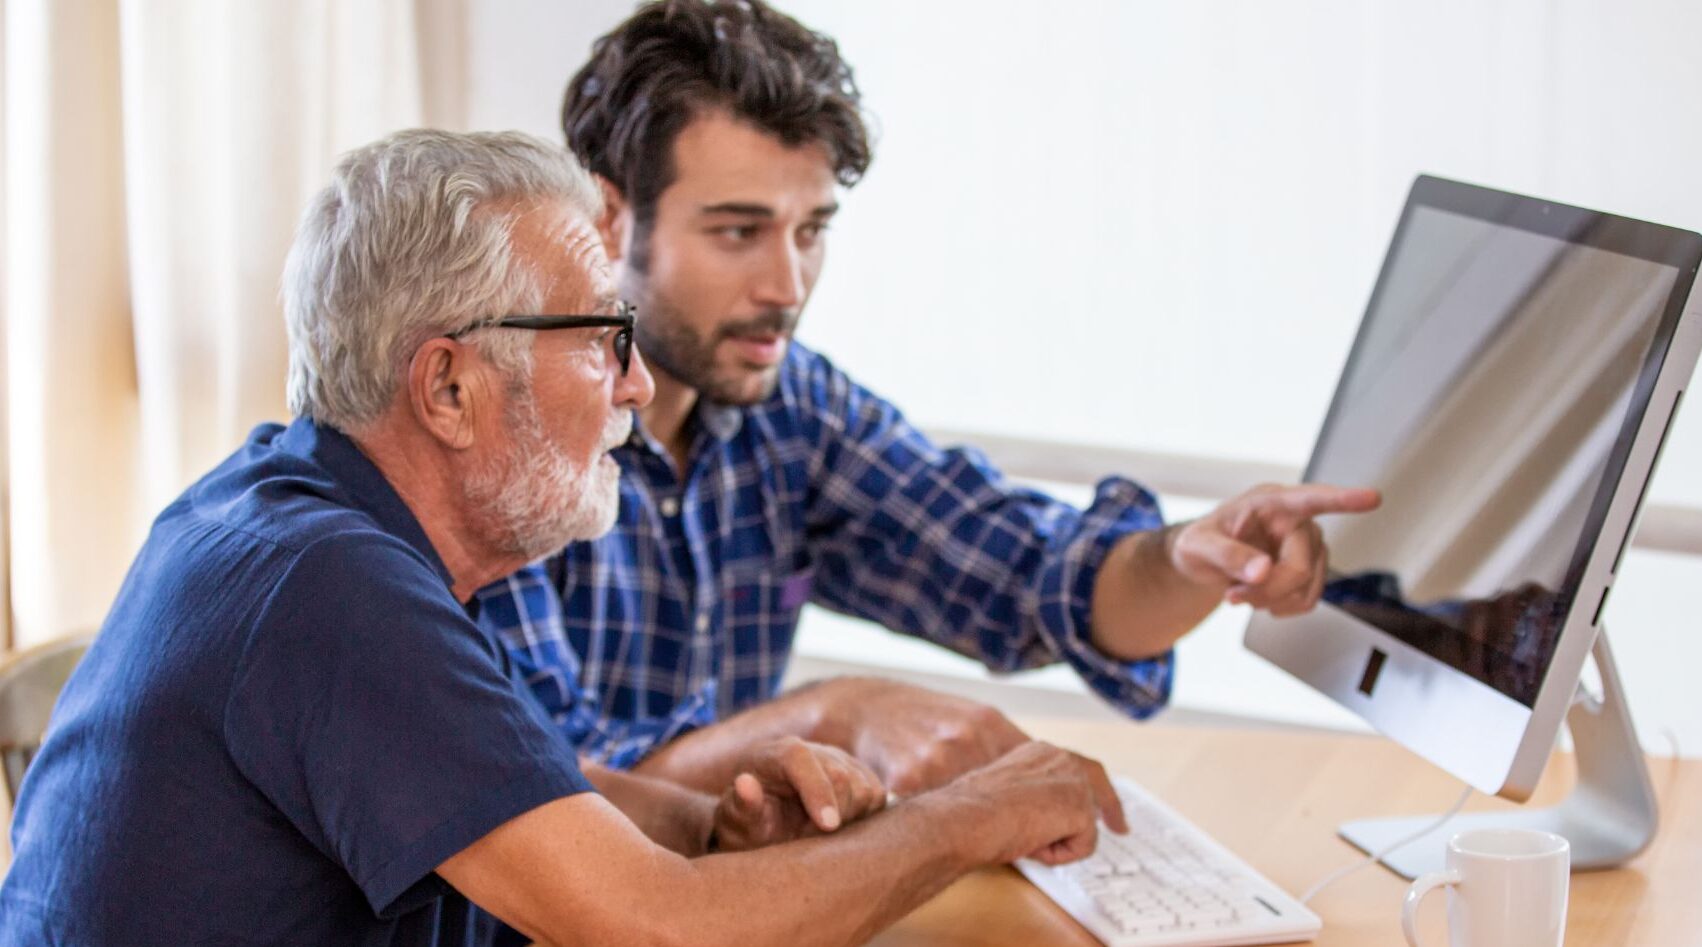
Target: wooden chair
x=30, y=682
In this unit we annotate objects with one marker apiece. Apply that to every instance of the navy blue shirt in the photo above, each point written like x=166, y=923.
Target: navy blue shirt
x=285, y=725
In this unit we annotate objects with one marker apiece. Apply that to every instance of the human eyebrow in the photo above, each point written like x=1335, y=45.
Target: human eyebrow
x=739, y=209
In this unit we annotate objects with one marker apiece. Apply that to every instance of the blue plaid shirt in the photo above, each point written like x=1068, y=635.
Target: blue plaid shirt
x=685, y=612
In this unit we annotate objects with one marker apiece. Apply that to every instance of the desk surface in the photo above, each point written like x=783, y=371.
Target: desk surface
x=1275, y=796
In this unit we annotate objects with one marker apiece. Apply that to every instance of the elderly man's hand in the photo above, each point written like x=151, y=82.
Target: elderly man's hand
x=791, y=789
x=1037, y=802
x=914, y=738
x=1263, y=547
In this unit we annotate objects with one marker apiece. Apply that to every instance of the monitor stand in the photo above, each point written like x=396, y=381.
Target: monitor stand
x=1609, y=817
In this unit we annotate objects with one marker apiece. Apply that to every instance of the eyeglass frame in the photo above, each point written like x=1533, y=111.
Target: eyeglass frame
x=541, y=323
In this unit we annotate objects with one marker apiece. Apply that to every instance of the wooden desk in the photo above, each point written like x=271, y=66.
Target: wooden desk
x=1275, y=798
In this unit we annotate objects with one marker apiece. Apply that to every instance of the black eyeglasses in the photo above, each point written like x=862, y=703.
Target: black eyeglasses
x=622, y=320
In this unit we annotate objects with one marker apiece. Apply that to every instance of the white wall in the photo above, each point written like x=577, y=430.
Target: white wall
x=1155, y=224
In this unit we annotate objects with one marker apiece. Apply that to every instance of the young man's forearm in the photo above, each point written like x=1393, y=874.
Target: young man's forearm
x=1141, y=604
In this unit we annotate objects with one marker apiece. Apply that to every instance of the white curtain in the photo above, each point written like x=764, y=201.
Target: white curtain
x=157, y=154
x=5, y=468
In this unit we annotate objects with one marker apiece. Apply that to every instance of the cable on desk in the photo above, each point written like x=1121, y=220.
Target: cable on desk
x=1675, y=757
x=1672, y=741
x=1377, y=856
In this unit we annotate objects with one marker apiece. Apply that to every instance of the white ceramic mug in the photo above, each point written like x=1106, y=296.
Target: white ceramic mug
x=1506, y=888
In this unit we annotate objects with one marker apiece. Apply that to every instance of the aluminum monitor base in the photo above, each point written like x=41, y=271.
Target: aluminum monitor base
x=1609, y=817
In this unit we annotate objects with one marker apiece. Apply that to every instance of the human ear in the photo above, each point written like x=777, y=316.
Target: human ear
x=446, y=391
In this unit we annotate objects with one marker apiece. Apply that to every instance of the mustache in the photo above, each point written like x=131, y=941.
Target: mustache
x=772, y=322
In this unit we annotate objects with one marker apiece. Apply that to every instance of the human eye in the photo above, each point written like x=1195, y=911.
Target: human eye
x=598, y=343
x=736, y=236
x=810, y=233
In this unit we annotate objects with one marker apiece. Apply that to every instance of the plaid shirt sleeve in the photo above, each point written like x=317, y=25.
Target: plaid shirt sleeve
x=525, y=611
x=934, y=543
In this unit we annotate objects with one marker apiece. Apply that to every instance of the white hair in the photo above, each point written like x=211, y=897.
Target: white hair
x=535, y=499
x=410, y=241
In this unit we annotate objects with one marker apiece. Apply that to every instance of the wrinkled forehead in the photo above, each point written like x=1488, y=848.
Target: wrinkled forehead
x=561, y=244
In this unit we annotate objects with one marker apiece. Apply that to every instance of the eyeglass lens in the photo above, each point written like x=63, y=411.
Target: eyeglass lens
x=623, y=349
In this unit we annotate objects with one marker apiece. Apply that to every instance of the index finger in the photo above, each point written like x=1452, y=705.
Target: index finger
x=813, y=786
x=1110, y=807
x=1316, y=499
x=860, y=788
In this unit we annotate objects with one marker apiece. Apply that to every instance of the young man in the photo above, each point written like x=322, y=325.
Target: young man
x=762, y=477
x=290, y=731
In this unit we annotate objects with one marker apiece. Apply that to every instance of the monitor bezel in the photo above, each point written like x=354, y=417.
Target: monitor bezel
x=1425, y=697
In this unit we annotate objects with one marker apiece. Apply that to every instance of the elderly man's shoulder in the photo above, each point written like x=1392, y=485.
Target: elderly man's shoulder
x=295, y=518
x=297, y=488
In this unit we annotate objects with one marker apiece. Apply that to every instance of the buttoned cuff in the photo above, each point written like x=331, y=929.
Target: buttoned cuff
x=1137, y=688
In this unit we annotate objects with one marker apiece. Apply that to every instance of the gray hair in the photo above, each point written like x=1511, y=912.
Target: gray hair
x=410, y=241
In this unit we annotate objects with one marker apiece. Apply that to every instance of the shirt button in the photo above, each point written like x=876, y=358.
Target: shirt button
x=702, y=624
x=670, y=506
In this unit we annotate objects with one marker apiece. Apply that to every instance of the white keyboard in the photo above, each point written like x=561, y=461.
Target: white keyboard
x=1169, y=884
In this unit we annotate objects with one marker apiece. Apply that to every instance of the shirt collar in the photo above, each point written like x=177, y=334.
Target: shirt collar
x=364, y=485
x=720, y=421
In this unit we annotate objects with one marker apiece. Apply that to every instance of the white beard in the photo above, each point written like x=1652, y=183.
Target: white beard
x=535, y=499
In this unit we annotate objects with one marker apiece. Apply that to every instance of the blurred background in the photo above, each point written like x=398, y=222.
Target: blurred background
x=1097, y=236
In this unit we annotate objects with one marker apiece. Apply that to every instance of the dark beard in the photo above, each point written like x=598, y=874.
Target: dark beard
x=666, y=341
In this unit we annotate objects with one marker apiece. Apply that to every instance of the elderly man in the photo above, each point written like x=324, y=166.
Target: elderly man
x=762, y=476
x=291, y=731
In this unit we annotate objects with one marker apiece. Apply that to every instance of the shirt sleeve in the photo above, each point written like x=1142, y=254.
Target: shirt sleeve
x=372, y=712
x=524, y=612
x=935, y=543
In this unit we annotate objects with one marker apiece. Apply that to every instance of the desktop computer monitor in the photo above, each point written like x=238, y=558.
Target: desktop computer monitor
x=1514, y=377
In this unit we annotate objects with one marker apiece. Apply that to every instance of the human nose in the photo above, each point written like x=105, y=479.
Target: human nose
x=636, y=387
x=781, y=284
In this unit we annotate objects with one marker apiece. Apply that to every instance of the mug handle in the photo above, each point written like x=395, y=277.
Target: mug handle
x=1423, y=886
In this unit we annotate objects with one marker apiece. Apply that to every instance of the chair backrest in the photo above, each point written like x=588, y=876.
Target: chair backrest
x=30, y=682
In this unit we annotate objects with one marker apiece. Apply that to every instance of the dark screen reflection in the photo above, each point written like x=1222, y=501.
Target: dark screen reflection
x=1505, y=641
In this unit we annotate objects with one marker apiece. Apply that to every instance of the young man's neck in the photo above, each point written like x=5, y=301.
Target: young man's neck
x=666, y=417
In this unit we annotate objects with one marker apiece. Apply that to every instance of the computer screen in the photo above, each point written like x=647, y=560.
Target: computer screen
x=1489, y=388
x=1513, y=378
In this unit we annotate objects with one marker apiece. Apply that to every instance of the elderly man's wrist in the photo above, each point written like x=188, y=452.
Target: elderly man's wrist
x=957, y=823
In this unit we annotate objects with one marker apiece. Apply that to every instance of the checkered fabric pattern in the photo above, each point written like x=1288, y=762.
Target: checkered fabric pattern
x=685, y=612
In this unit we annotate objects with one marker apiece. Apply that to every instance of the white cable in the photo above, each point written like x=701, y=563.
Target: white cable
x=1377, y=856
x=1672, y=741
